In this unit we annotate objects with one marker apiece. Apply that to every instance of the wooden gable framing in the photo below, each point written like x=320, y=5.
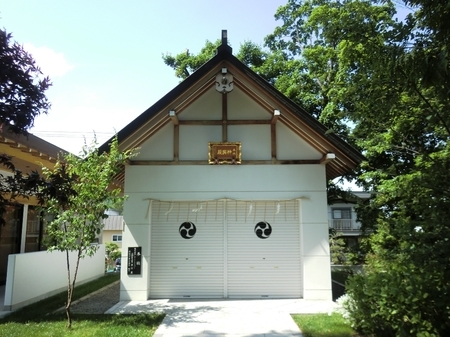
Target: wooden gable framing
x=338, y=156
x=29, y=152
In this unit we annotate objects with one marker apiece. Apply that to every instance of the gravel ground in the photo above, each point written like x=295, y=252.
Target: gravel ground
x=99, y=301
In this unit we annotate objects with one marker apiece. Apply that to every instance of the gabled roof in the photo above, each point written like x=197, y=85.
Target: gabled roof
x=29, y=151
x=293, y=115
x=113, y=223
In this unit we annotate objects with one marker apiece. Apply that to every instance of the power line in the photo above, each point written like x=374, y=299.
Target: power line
x=72, y=134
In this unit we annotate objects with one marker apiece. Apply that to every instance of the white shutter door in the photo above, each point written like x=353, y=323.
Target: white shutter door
x=263, y=267
x=186, y=267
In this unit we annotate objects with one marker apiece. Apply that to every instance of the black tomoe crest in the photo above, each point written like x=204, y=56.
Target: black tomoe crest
x=263, y=230
x=187, y=230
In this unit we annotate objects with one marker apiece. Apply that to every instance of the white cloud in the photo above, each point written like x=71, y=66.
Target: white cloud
x=52, y=63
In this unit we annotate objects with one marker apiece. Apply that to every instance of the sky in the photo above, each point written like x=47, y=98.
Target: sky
x=104, y=58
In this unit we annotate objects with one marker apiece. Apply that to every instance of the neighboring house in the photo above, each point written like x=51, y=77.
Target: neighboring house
x=227, y=196
x=342, y=218
x=23, y=231
x=112, y=229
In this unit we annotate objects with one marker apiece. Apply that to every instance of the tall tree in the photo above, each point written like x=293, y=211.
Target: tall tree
x=388, y=81
x=382, y=84
x=22, y=87
x=408, y=164
x=335, y=42
x=186, y=63
x=22, y=99
x=77, y=192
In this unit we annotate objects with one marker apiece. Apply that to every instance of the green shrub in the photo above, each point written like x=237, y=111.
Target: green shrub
x=404, y=291
x=112, y=252
x=387, y=304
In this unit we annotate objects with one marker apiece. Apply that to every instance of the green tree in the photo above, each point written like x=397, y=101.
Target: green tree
x=388, y=82
x=335, y=42
x=337, y=247
x=186, y=63
x=382, y=84
x=112, y=252
x=77, y=192
x=22, y=99
x=22, y=87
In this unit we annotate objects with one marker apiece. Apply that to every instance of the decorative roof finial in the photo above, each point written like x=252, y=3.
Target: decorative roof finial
x=224, y=46
x=224, y=37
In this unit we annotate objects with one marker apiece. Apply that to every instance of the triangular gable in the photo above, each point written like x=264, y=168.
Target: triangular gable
x=264, y=106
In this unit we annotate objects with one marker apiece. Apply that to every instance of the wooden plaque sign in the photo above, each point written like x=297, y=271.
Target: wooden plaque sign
x=224, y=153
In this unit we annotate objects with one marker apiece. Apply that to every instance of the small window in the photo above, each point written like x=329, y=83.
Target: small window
x=342, y=213
x=117, y=238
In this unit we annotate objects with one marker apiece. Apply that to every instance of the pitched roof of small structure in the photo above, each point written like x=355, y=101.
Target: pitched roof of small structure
x=113, y=223
x=29, y=151
x=292, y=115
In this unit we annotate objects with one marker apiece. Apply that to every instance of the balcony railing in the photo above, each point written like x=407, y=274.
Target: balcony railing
x=345, y=225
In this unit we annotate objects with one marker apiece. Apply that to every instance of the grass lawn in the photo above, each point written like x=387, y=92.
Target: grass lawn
x=323, y=325
x=38, y=319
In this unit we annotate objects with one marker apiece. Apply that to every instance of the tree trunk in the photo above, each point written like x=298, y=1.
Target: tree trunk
x=69, y=302
x=71, y=287
x=69, y=292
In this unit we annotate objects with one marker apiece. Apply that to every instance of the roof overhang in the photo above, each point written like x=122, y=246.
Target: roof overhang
x=29, y=152
x=339, y=157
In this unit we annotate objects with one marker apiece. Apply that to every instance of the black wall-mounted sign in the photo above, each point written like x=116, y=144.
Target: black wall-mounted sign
x=134, y=260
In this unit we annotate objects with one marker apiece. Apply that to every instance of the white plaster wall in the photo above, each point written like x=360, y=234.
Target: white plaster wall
x=315, y=208
x=206, y=107
x=317, y=278
x=291, y=146
x=194, y=140
x=242, y=182
x=209, y=182
x=255, y=139
x=159, y=146
x=241, y=106
x=38, y=275
x=135, y=287
x=315, y=247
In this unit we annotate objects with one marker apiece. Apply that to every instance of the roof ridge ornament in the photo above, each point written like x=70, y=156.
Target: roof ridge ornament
x=224, y=46
x=224, y=37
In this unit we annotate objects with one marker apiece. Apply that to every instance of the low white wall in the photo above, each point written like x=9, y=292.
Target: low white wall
x=38, y=275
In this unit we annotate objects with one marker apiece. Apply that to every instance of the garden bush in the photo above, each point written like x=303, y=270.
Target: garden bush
x=404, y=290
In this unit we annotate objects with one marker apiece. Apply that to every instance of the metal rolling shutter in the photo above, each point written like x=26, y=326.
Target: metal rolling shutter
x=270, y=267
x=179, y=267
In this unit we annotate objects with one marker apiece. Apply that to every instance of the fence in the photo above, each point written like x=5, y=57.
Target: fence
x=34, y=276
